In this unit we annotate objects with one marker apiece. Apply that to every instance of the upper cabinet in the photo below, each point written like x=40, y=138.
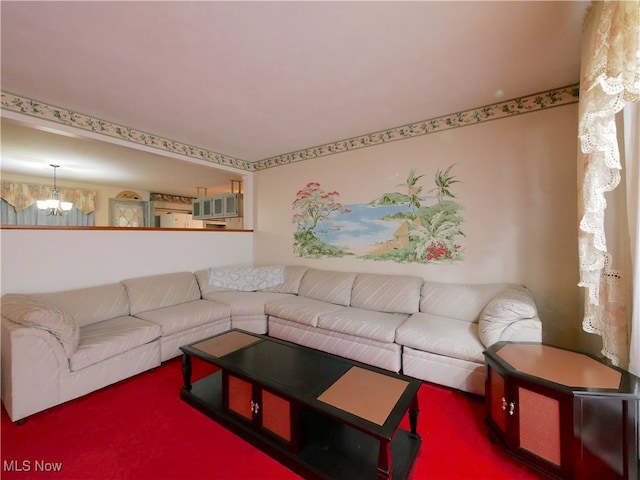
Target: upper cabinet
x=218, y=206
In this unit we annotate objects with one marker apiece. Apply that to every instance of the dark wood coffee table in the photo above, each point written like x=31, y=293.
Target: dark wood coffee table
x=321, y=415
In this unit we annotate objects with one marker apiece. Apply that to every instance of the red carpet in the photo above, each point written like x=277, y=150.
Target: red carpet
x=140, y=429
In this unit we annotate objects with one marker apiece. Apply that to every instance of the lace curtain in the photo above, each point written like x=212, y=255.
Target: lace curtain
x=610, y=78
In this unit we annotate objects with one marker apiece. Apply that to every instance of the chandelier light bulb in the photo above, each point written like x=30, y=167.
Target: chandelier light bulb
x=53, y=205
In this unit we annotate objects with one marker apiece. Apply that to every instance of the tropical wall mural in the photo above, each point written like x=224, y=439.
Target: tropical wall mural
x=407, y=226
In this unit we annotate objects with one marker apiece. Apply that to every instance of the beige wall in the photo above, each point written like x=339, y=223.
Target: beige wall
x=518, y=191
x=59, y=259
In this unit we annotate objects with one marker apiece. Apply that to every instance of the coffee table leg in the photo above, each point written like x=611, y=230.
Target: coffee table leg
x=186, y=371
x=384, y=461
x=413, y=415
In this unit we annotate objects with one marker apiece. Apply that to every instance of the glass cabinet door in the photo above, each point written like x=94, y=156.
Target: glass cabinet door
x=197, y=209
x=207, y=208
x=218, y=207
x=231, y=205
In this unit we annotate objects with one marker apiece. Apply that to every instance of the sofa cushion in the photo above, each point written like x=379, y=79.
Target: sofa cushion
x=386, y=293
x=93, y=304
x=327, y=286
x=31, y=311
x=460, y=301
x=300, y=309
x=362, y=323
x=293, y=276
x=245, y=303
x=159, y=291
x=515, y=303
x=102, y=340
x=177, y=318
x=442, y=335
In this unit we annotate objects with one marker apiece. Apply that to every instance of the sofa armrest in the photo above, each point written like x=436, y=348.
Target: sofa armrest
x=511, y=315
x=32, y=361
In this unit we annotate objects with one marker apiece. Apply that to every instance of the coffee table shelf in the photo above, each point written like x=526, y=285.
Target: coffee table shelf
x=328, y=443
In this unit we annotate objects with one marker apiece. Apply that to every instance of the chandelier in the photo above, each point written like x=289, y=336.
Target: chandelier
x=53, y=206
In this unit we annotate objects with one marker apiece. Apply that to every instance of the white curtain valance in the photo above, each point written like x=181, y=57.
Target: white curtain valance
x=612, y=62
x=23, y=195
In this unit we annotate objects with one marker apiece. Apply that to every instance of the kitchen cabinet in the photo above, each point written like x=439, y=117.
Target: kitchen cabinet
x=201, y=208
x=218, y=206
x=226, y=206
x=562, y=412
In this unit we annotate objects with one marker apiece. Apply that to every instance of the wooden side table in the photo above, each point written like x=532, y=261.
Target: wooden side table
x=563, y=412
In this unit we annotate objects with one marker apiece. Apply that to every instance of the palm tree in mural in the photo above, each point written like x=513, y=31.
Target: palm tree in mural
x=444, y=180
x=413, y=189
x=435, y=235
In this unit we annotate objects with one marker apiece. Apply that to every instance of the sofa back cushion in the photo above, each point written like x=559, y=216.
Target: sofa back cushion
x=455, y=300
x=93, y=304
x=292, y=277
x=386, y=293
x=327, y=286
x=160, y=291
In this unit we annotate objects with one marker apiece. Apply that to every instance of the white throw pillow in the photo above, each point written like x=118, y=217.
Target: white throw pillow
x=247, y=279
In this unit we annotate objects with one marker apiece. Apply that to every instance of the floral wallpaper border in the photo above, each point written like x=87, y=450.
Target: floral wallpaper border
x=35, y=108
x=517, y=106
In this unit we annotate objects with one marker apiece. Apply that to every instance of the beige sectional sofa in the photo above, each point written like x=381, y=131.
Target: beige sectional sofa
x=348, y=314
x=59, y=346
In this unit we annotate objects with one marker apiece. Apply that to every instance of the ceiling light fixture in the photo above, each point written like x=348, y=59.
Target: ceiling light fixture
x=53, y=206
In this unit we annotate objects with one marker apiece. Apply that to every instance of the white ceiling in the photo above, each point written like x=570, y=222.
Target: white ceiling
x=253, y=80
